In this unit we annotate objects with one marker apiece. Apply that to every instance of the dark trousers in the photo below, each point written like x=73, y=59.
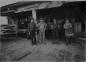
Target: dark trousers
x=33, y=37
x=55, y=34
x=69, y=39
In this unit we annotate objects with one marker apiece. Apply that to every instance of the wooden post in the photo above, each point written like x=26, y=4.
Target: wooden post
x=85, y=41
x=0, y=47
x=85, y=27
x=85, y=51
x=16, y=28
x=34, y=15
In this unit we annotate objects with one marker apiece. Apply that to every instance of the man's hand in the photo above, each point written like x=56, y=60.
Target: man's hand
x=29, y=33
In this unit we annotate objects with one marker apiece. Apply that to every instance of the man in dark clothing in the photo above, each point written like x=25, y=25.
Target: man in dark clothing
x=55, y=31
x=32, y=31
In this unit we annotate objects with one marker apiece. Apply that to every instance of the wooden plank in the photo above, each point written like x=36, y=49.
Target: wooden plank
x=17, y=55
x=83, y=39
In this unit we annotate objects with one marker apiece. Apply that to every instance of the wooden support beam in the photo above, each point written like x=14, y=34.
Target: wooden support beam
x=85, y=27
x=34, y=14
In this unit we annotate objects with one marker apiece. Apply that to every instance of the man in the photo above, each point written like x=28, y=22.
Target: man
x=68, y=30
x=32, y=31
x=42, y=27
x=55, y=30
x=48, y=33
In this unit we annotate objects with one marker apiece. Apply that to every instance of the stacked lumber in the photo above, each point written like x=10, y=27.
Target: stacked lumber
x=7, y=31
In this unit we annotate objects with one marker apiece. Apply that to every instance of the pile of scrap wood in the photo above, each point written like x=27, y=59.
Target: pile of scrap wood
x=7, y=30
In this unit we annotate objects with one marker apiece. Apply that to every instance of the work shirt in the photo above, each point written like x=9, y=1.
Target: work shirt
x=41, y=26
x=32, y=27
x=67, y=25
x=68, y=29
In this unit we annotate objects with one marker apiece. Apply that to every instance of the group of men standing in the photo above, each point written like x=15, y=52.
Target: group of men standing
x=32, y=31
x=41, y=26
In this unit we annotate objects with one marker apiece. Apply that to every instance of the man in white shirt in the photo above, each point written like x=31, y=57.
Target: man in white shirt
x=68, y=30
x=42, y=27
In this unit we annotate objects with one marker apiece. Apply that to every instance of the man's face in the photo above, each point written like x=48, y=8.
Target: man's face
x=54, y=21
x=67, y=21
x=41, y=20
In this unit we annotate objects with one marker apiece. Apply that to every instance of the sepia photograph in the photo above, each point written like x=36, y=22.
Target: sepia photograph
x=42, y=31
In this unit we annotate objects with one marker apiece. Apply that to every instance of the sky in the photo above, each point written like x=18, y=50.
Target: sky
x=6, y=2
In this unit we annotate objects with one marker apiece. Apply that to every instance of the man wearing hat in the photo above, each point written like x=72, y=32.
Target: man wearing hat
x=42, y=27
x=32, y=31
x=68, y=30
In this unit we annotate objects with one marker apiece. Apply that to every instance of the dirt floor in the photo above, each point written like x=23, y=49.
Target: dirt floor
x=22, y=50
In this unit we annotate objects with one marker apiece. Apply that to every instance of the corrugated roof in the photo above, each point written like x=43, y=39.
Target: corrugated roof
x=22, y=3
x=16, y=5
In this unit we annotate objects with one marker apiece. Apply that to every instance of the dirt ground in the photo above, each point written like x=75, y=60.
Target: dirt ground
x=22, y=50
